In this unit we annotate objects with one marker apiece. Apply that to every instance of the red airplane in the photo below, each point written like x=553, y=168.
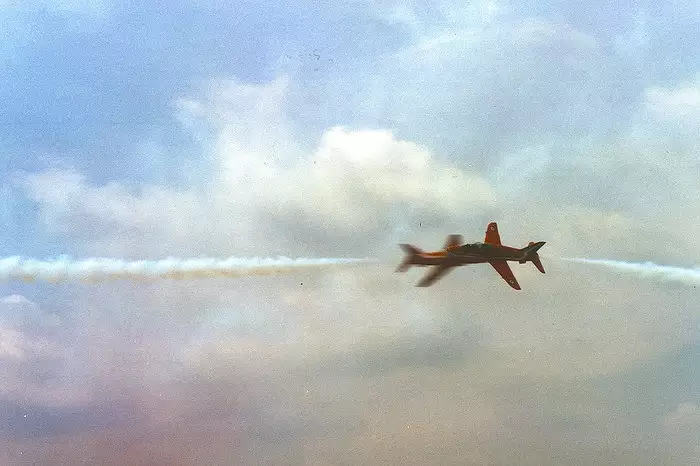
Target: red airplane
x=455, y=254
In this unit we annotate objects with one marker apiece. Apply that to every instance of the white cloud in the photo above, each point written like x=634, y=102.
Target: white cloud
x=683, y=428
x=473, y=91
x=352, y=193
x=352, y=183
x=16, y=299
x=685, y=416
x=425, y=19
x=354, y=179
x=73, y=207
x=318, y=364
x=680, y=104
x=20, y=347
x=33, y=354
x=11, y=343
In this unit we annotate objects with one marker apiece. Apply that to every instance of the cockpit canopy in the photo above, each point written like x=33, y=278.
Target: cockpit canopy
x=471, y=247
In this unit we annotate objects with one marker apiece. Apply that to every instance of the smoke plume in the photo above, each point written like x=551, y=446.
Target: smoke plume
x=647, y=269
x=99, y=269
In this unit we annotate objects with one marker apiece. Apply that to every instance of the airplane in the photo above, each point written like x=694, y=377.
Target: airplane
x=455, y=254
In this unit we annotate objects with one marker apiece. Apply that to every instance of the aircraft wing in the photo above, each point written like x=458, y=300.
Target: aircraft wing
x=504, y=271
x=492, y=236
x=434, y=275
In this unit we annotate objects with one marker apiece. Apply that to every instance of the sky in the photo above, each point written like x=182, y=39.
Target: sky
x=339, y=129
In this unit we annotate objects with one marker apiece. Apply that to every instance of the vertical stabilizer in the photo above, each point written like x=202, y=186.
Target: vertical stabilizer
x=411, y=252
x=538, y=263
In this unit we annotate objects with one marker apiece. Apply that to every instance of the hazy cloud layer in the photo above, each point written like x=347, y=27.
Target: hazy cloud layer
x=535, y=119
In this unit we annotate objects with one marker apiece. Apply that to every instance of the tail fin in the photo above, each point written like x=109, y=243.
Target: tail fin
x=411, y=252
x=530, y=254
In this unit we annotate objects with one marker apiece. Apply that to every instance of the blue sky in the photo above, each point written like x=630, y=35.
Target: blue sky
x=92, y=86
x=211, y=128
x=92, y=82
x=96, y=82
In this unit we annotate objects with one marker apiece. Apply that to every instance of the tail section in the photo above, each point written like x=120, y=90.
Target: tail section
x=411, y=252
x=530, y=255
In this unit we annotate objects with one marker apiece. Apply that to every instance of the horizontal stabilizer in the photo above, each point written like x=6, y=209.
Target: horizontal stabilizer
x=533, y=247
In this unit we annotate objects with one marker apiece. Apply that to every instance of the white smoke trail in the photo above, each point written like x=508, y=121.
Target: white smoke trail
x=647, y=269
x=98, y=269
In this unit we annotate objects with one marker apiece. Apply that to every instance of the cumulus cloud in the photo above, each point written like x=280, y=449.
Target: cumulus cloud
x=506, y=85
x=357, y=190
x=268, y=364
x=72, y=206
x=353, y=184
x=506, y=119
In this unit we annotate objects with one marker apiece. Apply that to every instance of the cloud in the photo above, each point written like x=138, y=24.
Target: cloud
x=353, y=184
x=679, y=105
x=358, y=192
x=355, y=179
x=34, y=354
x=11, y=340
x=683, y=426
x=684, y=417
x=498, y=86
x=520, y=120
x=71, y=206
x=344, y=357
x=428, y=19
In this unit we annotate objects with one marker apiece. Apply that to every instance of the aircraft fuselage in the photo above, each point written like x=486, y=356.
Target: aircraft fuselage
x=469, y=254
